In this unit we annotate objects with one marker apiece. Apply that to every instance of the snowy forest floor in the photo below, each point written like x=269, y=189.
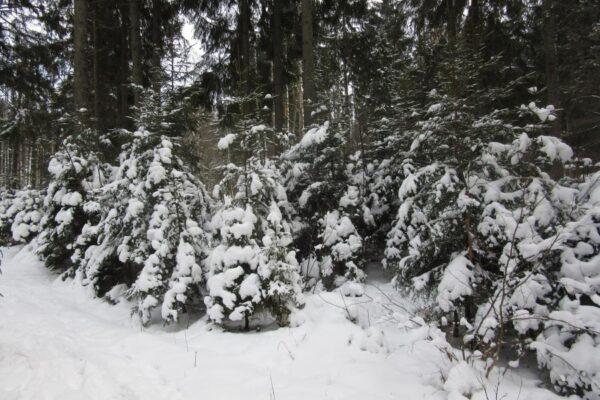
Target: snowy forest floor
x=57, y=342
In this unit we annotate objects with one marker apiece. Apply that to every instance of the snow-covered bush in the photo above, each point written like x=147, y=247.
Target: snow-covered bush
x=314, y=176
x=568, y=344
x=252, y=270
x=93, y=212
x=316, y=180
x=20, y=216
x=150, y=237
x=543, y=296
x=440, y=193
x=376, y=170
x=499, y=243
x=523, y=212
x=340, y=249
x=75, y=172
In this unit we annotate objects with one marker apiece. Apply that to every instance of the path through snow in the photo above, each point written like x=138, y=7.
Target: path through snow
x=56, y=342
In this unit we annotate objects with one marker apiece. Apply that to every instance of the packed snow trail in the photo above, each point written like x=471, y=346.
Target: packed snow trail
x=56, y=342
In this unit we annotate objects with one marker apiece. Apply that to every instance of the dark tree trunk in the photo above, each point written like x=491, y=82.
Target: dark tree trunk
x=102, y=24
x=245, y=67
x=96, y=69
x=473, y=24
x=308, y=67
x=80, y=82
x=451, y=9
x=156, y=46
x=135, y=45
x=124, y=68
x=277, y=37
x=552, y=81
x=16, y=148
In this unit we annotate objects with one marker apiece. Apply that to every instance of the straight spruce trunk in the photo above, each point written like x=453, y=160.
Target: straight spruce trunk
x=552, y=81
x=278, y=93
x=135, y=47
x=245, y=66
x=124, y=68
x=308, y=67
x=156, y=44
x=80, y=83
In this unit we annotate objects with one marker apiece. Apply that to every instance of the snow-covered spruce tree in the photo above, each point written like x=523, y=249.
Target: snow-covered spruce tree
x=436, y=217
x=519, y=260
x=93, y=211
x=449, y=177
x=542, y=236
x=20, y=216
x=317, y=185
x=314, y=175
x=340, y=248
x=75, y=173
x=150, y=239
x=252, y=272
x=374, y=171
x=570, y=341
x=442, y=140
x=489, y=235
x=524, y=212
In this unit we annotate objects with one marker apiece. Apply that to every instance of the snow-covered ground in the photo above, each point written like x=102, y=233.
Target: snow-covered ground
x=56, y=342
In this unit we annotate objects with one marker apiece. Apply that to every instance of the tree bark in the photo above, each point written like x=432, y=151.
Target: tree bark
x=80, y=83
x=14, y=175
x=124, y=55
x=96, y=69
x=245, y=68
x=135, y=45
x=473, y=24
x=308, y=67
x=156, y=45
x=552, y=81
x=102, y=18
x=277, y=38
x=451, y=9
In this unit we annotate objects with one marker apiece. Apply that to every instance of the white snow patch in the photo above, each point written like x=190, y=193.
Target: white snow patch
x=226, y=141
